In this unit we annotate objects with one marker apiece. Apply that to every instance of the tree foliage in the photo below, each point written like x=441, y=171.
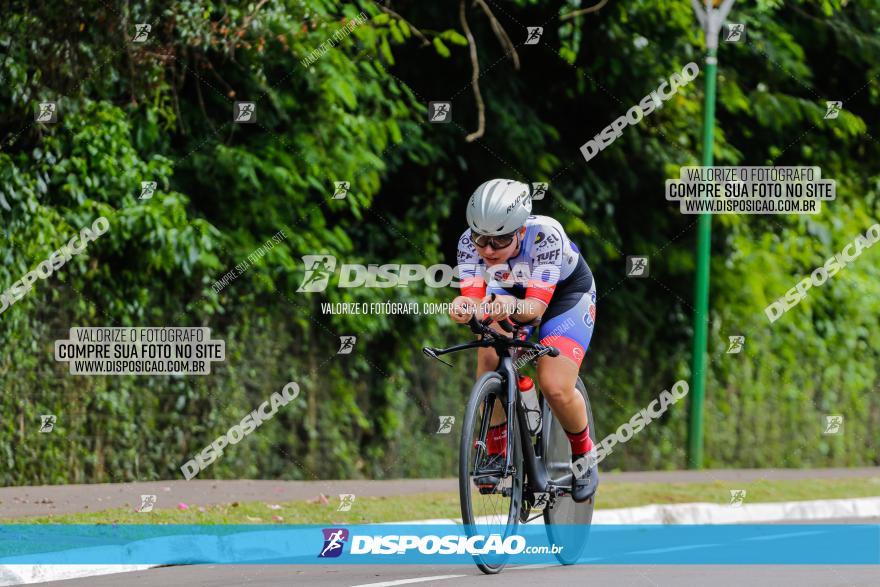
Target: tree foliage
x=162, y=111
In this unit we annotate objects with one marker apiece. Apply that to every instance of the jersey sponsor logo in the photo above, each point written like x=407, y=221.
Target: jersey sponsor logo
x=543, y=285
x=590, y=316
x=539, y=237
x=577, y=353
x=551, y=239
x=549, y=256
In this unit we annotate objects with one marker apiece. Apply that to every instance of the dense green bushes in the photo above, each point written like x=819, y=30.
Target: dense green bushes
x=162, y=112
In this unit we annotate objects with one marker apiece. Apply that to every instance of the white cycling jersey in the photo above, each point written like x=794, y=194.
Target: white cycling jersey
x=546, y=258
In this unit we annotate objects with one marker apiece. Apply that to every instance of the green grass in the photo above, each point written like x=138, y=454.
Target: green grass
x=445, y=505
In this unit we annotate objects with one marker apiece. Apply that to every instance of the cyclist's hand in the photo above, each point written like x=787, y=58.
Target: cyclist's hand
x=462, y=309
x=498, y=307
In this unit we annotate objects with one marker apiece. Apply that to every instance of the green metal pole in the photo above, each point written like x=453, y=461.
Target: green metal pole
x=701, y=291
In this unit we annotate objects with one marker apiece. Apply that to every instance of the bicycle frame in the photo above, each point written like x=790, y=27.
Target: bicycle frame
x=535, y=470
x=539, y=478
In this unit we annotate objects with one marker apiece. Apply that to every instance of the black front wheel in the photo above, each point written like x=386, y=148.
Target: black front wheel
x=490, y=501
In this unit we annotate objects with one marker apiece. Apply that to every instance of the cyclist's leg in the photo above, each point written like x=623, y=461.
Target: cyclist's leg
x=557, y=377
x=569, y=327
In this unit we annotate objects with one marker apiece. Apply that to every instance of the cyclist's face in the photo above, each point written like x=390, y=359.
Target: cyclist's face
x=491, y=255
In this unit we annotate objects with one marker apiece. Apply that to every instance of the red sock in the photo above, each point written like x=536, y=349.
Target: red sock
x=496, y=439
x=581, y=443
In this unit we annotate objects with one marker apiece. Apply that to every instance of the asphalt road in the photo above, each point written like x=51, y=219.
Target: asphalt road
x=457, y=576
x=513, y=576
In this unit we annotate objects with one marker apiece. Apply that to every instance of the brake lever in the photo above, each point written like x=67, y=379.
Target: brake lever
x=433, y=354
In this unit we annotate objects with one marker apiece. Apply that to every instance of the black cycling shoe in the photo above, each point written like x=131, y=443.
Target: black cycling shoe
x=585, y=483
x=488, y=483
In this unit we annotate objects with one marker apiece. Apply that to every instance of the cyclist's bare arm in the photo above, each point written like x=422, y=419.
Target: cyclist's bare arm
x=529, y=309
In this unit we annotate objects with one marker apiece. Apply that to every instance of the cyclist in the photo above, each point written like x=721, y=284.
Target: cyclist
x=536, y=275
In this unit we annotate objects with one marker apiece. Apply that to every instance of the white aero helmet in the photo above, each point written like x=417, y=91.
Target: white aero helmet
x=499, y=206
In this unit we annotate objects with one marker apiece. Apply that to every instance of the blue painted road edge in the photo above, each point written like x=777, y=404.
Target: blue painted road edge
x=800, y=544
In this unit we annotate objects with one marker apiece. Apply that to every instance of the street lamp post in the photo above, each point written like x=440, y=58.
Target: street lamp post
x=710, y=19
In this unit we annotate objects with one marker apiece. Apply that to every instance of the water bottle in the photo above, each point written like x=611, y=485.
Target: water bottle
x=530, y=401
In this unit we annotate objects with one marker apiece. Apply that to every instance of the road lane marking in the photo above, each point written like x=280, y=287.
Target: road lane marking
x=410, y=581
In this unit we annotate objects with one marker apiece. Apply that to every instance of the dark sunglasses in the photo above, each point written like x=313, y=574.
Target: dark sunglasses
x=498, y=242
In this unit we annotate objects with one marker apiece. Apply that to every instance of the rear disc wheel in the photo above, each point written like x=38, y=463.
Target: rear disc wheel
x=567, y=522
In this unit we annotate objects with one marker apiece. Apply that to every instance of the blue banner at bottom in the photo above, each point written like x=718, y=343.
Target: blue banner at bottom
x=438, y=544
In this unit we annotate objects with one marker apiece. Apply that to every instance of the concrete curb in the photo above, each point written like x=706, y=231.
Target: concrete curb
x=25, y=574
x=685, y=513
x=711, y=513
